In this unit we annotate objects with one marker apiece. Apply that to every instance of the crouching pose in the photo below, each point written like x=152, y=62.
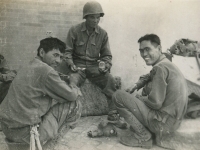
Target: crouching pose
x=6, y=77
x=162, y=105
x=38, y=100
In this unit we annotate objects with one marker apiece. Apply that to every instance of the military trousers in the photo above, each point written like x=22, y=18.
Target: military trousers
x=158, y=123
x=105, y=81
x=60, y=114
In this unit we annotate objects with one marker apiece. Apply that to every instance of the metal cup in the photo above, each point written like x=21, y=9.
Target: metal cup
x=102, y=65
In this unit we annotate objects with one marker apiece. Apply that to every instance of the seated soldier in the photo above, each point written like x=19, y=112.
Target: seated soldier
x=87, y=47
x=6, y=76
x=144, y=79
x=162, y=105
x=38, y=99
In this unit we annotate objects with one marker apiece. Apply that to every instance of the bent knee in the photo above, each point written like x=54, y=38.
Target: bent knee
x=122, y=98
x=118, y=96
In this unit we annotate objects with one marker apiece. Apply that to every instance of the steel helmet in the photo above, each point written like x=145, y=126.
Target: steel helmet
x=92, y=7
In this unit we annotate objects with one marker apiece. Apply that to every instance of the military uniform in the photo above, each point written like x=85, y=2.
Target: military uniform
x=84, y=50
x=37, y=95
x=5, y=72
x=162, y=105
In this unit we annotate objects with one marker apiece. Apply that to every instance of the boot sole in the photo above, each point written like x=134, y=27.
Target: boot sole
x=147, y=146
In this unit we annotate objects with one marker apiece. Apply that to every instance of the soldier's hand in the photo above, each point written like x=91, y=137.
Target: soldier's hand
x=73, y=85
x=108, y=66
x=105, y=69
x=9, y=76
x=131, y=89
x=138, y=96
x=73, y=68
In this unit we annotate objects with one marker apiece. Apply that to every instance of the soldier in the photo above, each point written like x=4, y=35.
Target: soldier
x=38, y=100
x=162, y=105
x=88, y=54
x=6, y=77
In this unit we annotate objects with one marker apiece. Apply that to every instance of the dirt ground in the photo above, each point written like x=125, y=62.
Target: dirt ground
x=188, y=137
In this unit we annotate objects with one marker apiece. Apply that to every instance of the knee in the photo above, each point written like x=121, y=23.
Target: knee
x=117, y=97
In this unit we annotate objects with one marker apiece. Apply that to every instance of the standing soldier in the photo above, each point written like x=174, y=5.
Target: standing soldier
x=87, y=47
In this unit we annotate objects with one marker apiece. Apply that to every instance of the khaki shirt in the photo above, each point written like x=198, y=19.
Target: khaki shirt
x=86, y=48
x=35, y=89
x=166, y=90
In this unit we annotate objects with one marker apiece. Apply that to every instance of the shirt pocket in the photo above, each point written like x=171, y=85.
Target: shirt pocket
x=95, y=50
x=80, y=48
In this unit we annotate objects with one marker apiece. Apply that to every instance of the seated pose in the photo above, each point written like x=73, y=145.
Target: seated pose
x=6, y=77
x=162, y=105
x=88, y=54
x=38, y=100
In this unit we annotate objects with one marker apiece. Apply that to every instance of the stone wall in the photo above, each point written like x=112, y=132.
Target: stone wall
x=23, y=23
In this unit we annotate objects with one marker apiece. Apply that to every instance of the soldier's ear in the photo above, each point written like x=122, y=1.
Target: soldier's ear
x=41, y=52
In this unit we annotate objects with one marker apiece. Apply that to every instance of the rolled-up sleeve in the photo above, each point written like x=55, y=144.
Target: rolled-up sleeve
x=143, y=81
x=59, y=90
x=105, y=52
x=157, y=94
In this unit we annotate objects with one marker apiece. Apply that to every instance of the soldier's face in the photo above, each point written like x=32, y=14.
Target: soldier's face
x=150, y=52
x=52, y=58
x=92, y=20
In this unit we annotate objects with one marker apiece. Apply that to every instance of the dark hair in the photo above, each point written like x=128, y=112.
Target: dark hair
x=51, y=43
x=153, y=38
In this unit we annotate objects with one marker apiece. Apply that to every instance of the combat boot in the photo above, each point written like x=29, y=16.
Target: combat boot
x=113, y=116
x=141, y=136
x=134, y=142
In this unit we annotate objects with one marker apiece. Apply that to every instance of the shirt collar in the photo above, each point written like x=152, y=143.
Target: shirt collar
x=160, y=59
x=38, y=59
x=84, y=28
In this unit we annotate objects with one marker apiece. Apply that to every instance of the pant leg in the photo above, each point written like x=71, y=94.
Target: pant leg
x=60, y=113
x=16, y=134
x=123, y=99
x=163, y=126
x=107, y=84
x=132, y=109
x=135, y=112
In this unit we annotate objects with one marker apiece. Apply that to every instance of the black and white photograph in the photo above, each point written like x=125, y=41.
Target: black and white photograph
x=99, y=74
